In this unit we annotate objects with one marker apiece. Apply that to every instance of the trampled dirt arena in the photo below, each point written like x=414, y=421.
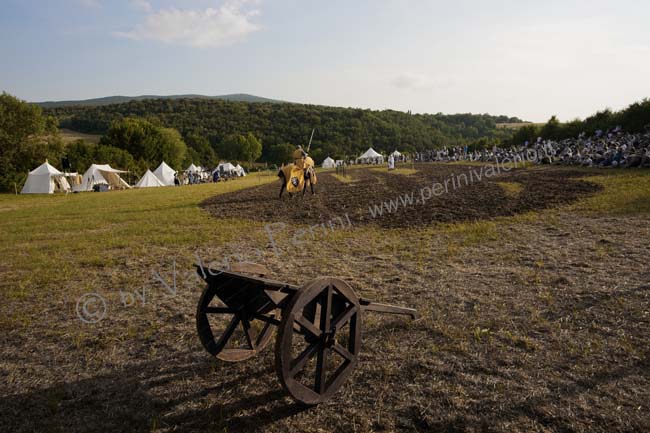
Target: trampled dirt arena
x=378, y=197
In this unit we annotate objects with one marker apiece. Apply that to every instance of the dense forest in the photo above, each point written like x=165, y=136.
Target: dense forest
x=340, y=132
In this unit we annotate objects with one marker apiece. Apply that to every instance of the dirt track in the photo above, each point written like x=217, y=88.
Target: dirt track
x=477, y=198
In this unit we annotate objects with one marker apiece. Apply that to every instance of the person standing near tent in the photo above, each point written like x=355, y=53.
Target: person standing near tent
x=176, y=181
x=391, y=162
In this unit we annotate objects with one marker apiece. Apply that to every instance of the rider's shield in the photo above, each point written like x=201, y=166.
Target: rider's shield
x=295, y=180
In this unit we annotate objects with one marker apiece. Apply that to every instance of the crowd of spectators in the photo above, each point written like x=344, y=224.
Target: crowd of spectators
x=613, y=148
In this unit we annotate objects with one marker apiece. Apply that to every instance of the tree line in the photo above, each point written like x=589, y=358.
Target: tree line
x=341, y=133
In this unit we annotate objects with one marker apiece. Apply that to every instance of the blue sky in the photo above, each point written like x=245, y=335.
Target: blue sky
x=523, y=58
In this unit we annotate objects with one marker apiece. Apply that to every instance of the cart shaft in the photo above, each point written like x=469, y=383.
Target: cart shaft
x=390, y=309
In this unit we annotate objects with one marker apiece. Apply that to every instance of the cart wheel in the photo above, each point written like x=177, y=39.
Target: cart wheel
x=319, y=340
x=237, y=337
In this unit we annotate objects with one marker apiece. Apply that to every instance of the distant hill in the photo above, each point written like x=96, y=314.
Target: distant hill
x=109, y=100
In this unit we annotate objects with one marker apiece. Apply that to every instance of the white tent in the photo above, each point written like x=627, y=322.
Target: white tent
x=226, y=168
x=328, y=163
x=240, y=170
x=98, y=174
x=45, y=179
x=149, y=180
x=370, y=157
x=193, y=169
x=165, y=174
x=396, y=154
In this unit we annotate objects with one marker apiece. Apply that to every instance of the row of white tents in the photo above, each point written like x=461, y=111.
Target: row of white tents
x=45, y=179
x=370, y=156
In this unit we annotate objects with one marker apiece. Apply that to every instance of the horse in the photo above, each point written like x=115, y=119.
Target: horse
x=297, y=175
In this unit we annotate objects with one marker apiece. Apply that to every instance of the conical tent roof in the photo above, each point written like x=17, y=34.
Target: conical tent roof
x=396, y=153
x=149, y=180
x=328, y=163
x=192, y=168
x=226, y=166
x=45, y=168
x=165, y=174
x=45, y=179
x=370, y=153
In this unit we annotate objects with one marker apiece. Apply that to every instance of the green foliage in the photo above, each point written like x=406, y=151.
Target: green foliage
x=552, y=129
x=526, y=133
x=239, y=147
x=341, y=133
x=229, y=147
x=200, y=151
x=27, y=138
x=636, y=117
x=280, y=153
x=483, y=143
x=252, y=148
x=82, y=154
x=602, y=120
x=149, y=144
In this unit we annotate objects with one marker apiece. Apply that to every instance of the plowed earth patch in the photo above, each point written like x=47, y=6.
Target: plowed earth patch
x=463, y=193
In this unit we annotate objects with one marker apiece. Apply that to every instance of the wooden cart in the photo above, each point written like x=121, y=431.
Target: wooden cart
x=319, y=326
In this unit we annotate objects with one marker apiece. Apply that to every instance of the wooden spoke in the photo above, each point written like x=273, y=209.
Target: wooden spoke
x=303, y=358
x=321, y=362
x=344, y=317
x=267, y=319
x=247, y=331
x=308, y=326
x=326, y=309
x=343, y=352
x=261, y=335
x=228, y=333
x=321, y=370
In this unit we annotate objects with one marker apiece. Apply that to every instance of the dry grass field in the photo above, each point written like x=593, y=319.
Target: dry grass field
x=68, y=136
x=533, y=288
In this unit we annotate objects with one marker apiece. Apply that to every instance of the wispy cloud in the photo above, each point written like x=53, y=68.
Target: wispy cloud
x=212, y=27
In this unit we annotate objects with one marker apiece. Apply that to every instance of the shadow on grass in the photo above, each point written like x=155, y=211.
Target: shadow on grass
x=129, y=399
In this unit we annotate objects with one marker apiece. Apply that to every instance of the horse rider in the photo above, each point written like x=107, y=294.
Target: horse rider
x=299, y=156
